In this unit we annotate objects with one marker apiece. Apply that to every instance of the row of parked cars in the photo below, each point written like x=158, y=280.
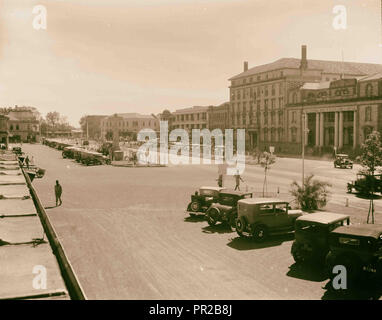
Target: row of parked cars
x=81, y=155
x=323, y=237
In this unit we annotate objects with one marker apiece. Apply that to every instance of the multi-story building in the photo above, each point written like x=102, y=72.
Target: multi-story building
x=128, y=124
x=258, y=95
x=190, y=118
x=218, y=117
x=91, y=126
x=166, y=115
x=4, y=129
x=23, y=124
x=332, y=114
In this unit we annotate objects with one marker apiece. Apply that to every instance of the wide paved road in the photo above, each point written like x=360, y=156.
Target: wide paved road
x=126, y=235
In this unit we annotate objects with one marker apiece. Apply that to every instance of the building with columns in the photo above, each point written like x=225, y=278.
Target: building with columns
x=259, y=95
x=330, y=114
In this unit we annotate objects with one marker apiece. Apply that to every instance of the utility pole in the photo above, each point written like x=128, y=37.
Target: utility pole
x=87, y=129
x=303, y=148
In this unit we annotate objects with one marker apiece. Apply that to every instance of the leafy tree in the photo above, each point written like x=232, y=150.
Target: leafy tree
x=109, y=135
x=266, y=160
x=52, y=118
x=370, y=159
x=312, y=195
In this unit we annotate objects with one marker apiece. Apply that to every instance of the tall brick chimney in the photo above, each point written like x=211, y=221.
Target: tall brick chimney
x=304, y=61
x=245, y=66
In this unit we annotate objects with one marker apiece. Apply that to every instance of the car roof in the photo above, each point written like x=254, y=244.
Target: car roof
x=363, y=230
x=212, y=188
x=263, y=201
x=323, y=217
x=238, y=193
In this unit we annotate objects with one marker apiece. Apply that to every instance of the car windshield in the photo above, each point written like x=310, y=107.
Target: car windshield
x=307, y=226
x=338, y=224
x=206, y=192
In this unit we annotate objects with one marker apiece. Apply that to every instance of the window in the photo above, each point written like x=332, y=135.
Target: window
x=273, y=103
x=17, y=127
x=368, y=114
x=294, y=117
x=266, y=91
x=281, y=102
x=294, y=98
x=273, y=90
x=369, y=90
x=293, y=134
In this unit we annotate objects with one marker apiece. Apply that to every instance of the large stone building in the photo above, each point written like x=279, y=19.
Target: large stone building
x=218, y=117
x=23, y=124
x=127, y=124
x=190, y=118
x=332, y=114
x=91, y=126
x=258, y=96
x=4, y=129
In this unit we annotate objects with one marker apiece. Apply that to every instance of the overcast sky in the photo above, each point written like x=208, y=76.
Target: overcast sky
x=107, y=56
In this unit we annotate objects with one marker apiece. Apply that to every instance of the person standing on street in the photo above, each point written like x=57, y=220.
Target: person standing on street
x=220, y=180
x=27, y=161
x=58, y=193
x=237, y=179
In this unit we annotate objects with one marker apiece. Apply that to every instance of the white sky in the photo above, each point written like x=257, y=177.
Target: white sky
x=107, y=56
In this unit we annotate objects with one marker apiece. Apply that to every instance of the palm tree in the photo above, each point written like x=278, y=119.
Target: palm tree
x=313, y=195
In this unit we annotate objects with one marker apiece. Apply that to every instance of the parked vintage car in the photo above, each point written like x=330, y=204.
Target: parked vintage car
x=202, y=199
x=358, y=248
x=365, y=184
x=68, y=152
x=17, y=150
x=343, y=161
x=225, y=209
x=311, y=242
x=261, y=216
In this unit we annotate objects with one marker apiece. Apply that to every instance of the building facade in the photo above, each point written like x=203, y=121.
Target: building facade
x=127, y=124
x=337, y=114
x=218, y=117
x=23, y=124
x=190, y=118
x=258, y=96
x=91, y=126
x=4, y=129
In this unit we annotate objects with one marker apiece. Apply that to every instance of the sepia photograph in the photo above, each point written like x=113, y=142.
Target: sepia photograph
x=199, y=151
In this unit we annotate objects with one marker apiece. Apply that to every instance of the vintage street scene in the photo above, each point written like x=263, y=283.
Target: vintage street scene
x=190, y=150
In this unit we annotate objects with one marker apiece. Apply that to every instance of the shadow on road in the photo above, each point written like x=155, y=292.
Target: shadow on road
x=368, y=290
x=195, y=218
x=50, y=207
x=247, y=243
x=310, y=272
x=218, y=228
x=367, y=197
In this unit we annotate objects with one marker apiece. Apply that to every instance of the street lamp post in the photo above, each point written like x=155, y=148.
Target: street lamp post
x=304, y=131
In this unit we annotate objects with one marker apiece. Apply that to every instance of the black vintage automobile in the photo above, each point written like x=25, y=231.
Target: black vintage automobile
x=343, y=161
x=311, y=242
x=225, y=209
x=359, y=249
x=366, y=184
x=202, y=199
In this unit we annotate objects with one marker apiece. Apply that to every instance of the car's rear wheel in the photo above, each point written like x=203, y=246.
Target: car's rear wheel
x=195, y=206
x=241, y=226
x=259, y=233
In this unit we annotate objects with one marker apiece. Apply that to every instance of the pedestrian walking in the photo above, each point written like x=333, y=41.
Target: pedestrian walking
x=237, y=179
x=220, y=180
x=27, y=161
x=58, y=193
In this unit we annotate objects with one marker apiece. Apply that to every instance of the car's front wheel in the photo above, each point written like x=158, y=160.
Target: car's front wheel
x=259, y=233
x=211, y=216
x=240, y=226
x=195, y=206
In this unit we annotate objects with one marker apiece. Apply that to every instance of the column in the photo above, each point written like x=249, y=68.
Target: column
x=341, y=130
x=336, y=129
x=321, y=129
x=306, y=129
x=355, y=132
x=317, y=129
